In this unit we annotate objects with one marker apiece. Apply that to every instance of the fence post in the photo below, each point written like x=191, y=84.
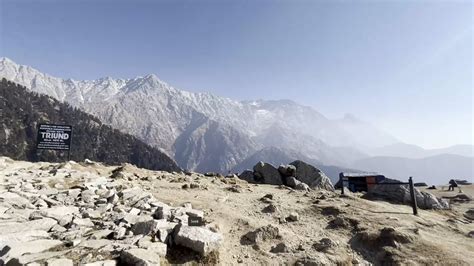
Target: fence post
x=413, y=197
x=341, y=182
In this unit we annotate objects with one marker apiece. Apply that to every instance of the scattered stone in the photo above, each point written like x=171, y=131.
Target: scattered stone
x=268, y=198
x=95, y=243
x=469, y=214
x=100, y=234
x=211, y=174
x=41, y=224
x=15, y=250
x=164, y=230
x=86, y=222
x=343, y=222
x=59, y=262
x=235, y=188
x=120, y=233
x=139, y=257
x=271, y=208
x=101, y=263
x=471, y=234
x=158, y=247
x=324, y=245
x=261, y=234
x=331, y=210
x=199, y=239
x=163, y=211
x=293, y=217
x=144, y=227
x=280, y=248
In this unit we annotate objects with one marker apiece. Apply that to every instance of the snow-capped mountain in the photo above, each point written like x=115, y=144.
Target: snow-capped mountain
x=200, y=130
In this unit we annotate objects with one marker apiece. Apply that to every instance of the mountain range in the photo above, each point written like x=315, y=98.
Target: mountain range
x=204, y=132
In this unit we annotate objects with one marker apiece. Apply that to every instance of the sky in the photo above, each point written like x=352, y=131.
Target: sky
x=404, y=66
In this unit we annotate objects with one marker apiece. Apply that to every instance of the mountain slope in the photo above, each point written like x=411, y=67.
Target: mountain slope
x=22, y=111
x=433, y=170
x=159, y=114
x=211, y=145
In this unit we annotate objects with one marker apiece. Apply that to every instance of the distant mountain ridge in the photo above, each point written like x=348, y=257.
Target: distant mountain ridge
x=164, y=117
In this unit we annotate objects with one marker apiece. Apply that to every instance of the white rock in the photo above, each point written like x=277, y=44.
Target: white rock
x=58, y=212
x=59, y=262
x=40, y=224
x=164, y=229
x=158, y=247
x=15, y=250
x=199, y=239
x=144, y=227
x=139, y=257
x=95, y=243
x=101, y=263
x=86, y=222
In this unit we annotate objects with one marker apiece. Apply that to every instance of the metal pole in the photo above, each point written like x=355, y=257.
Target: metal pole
x=413, y=197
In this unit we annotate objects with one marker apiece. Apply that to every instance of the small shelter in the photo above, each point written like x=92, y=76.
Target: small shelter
x=357, y=182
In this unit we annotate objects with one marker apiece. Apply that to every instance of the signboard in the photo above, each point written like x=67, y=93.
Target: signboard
x=195, y=221
x=54, y=137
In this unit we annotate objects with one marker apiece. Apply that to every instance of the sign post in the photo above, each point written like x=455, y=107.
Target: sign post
x=54, y=137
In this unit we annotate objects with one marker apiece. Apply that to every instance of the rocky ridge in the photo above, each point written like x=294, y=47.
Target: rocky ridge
x=92, y=217
x=54, y=214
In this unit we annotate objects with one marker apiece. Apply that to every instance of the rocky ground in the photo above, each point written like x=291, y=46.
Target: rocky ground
x=88, y=213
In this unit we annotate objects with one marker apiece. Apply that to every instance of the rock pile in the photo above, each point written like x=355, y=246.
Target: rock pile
x=91, y=219
x=298, y=175
x=401, y=193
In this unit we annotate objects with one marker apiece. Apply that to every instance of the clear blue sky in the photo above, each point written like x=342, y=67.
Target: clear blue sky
x=405, y=66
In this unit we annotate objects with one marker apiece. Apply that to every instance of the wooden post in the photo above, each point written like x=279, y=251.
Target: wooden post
x=413, y=196
x=341, y=182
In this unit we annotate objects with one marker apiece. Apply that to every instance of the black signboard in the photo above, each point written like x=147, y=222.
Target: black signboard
x=54, y=137
x=195, y=221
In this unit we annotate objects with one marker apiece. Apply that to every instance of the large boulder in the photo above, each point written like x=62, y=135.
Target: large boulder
x=312, y=176
x=291, y=181
x=287, y=170
x=247, y=175
x=401, y=193
x=199, y=239
x=268, y=173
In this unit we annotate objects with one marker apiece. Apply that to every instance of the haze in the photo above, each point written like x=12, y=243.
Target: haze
x=404, y=66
